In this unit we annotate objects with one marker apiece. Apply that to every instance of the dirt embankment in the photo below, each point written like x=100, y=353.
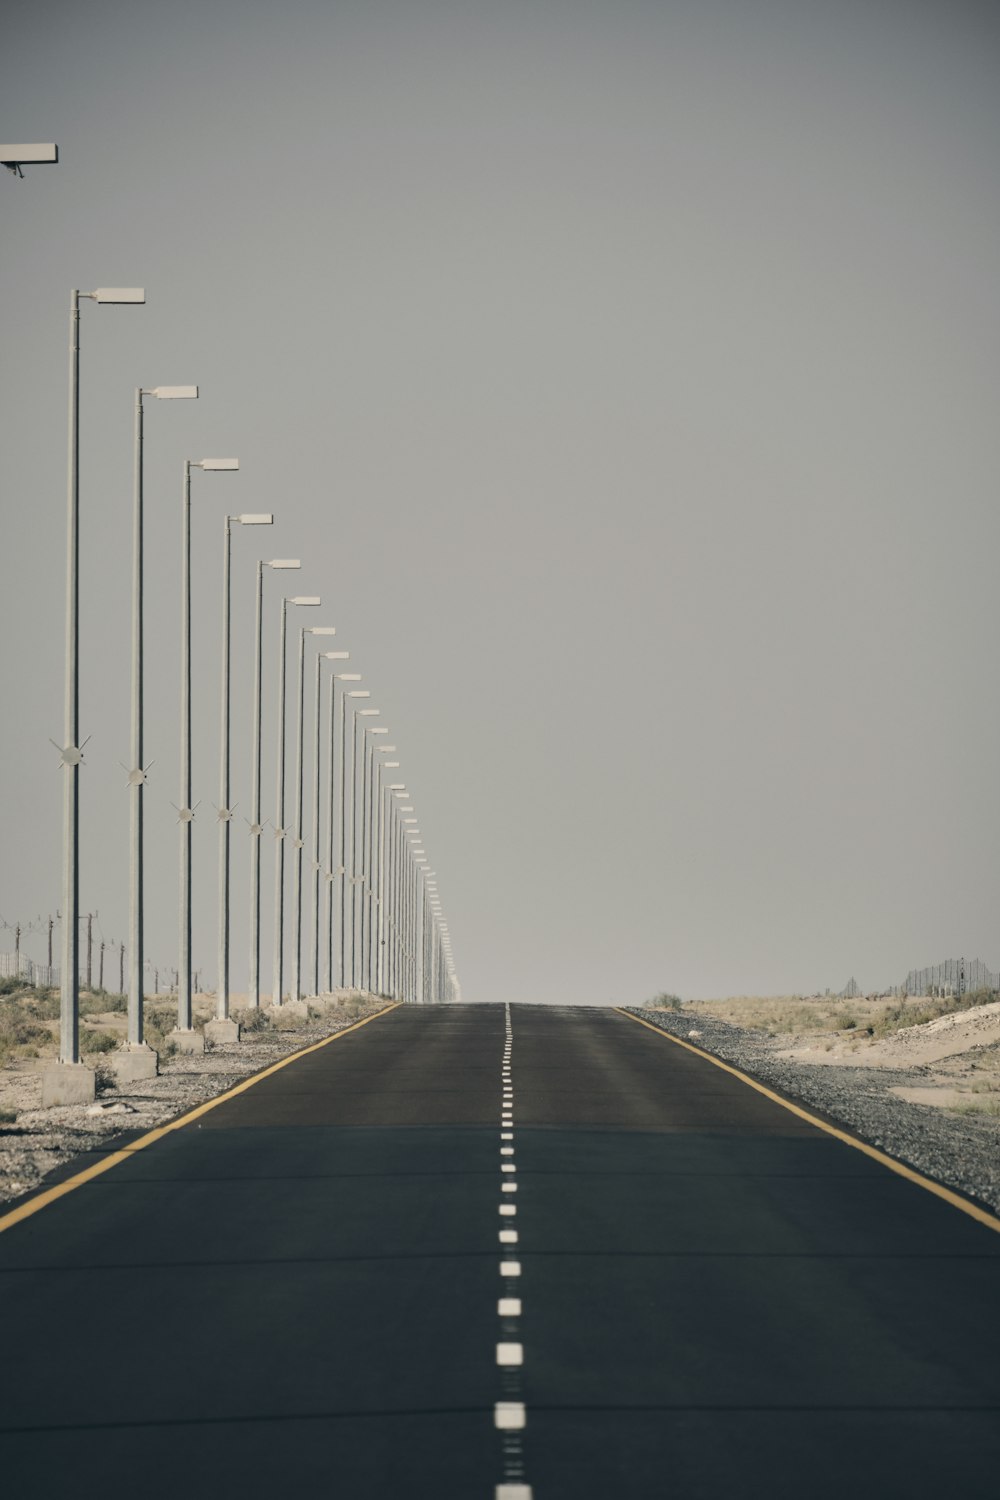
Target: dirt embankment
x=35, y=1142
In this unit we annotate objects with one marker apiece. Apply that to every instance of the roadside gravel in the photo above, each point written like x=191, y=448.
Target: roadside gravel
x=963, y=1152
x=40, y=1141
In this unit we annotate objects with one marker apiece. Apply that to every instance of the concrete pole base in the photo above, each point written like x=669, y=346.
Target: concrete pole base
x=68, y=1083
x=133, y=1062
x=222, y=1032
x=186, y=1041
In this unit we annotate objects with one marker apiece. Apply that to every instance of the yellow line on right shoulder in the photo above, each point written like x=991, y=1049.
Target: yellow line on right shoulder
x=981, y=1215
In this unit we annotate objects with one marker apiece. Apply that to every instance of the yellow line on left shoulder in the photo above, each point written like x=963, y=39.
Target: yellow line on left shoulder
x=124, y=1153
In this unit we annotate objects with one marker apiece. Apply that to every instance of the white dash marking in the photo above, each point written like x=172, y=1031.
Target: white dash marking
x=508, y=1187
x=509, y=1414
x=506, y=1150
x=512, y=1491
x=509, y=1307
x=510, y=1268
x=506, y=1135
x=510, y=1354
x=508, y=1210
x=508, y=1236
x=508, y=1166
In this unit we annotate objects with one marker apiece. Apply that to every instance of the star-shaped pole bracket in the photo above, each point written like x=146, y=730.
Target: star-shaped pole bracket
x=70, y=755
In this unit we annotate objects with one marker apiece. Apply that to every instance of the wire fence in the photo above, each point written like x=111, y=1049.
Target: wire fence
x=20, y=966
x=955, y=976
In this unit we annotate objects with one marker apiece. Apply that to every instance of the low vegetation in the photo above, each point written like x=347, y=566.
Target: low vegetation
x=665, y=1001
x=876, y=1017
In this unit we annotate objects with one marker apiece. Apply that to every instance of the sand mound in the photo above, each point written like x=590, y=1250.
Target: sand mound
x=913, y=1046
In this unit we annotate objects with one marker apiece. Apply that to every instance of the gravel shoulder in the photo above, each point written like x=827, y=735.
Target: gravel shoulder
x=39, y=1142
x=960, y=1150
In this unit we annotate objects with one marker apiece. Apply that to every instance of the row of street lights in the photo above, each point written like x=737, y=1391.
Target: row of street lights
x=393, y=937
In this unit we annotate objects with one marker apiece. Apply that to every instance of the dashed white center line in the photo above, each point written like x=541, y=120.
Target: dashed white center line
x=509, y=1415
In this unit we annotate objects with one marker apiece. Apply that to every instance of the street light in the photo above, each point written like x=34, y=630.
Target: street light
x=136, y=1060
x=185, y=1037
x=374, y=863
x=256, y=828
x=14, y=157
x=59, y=1084
x=280, y=829
x=332, y=869
x=368, y=850
x=317, y=757
x=223, y=1029
x=304, y=630
x=357, y=878
x=347, y=880
x=384, y=901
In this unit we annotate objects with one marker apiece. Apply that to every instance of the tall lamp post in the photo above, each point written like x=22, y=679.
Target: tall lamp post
x=68, y=1082
x=371, y=842
x=382, y=901
x=185, y=1038
x=359, y=828
x=256, y=827
x=280, y=830
x=347, y=825
x=304, y=630
x=399, y=794
x=135, y=1060
x=331, y=870
x=223, y=1029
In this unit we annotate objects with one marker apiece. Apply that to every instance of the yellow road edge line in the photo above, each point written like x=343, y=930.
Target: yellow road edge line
x=49, y=1195
x=981, y=1215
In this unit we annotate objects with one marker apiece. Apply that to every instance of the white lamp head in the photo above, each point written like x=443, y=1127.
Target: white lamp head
x=118, y=294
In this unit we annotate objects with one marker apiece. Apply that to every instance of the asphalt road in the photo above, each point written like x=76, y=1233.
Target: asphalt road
x=329, y=1285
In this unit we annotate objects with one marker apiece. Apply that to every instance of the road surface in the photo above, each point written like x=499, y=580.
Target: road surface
x=377, y=1273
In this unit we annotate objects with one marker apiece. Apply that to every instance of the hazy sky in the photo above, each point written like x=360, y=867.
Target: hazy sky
x=626, y=375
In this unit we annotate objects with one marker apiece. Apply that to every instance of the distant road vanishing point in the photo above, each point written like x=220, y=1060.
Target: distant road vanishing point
x=510, y=1252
